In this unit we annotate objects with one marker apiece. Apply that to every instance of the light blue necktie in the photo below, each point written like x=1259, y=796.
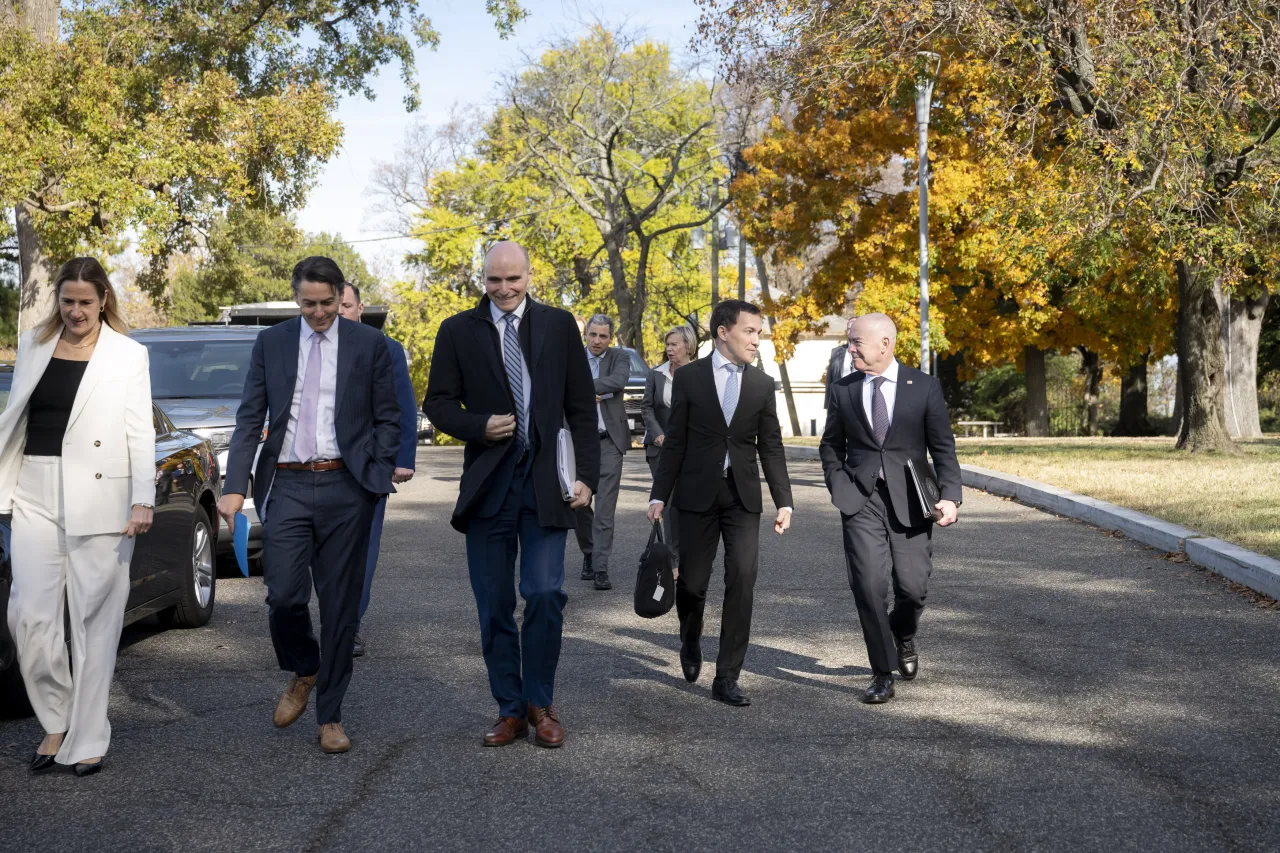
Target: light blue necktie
x=730, y=402
x=515, y=378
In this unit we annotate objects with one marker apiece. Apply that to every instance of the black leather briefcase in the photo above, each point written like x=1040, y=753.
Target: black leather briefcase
x=655, y=581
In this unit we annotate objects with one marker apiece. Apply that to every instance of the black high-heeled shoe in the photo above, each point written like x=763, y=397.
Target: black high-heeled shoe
x=89, y=769
x=41, y=762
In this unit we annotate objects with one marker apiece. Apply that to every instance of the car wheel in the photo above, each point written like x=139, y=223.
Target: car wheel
x=199, y=585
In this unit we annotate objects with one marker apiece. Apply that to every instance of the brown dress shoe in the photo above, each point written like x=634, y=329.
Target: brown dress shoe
x=333, y=739
x=506, y=731
x=294, y=700
x=547, y=729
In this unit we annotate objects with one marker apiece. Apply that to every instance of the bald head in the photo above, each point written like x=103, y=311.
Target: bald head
x=872, y=338
x=506, y=274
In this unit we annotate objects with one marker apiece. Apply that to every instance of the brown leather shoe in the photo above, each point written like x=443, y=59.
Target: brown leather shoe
x=547, y=729
x=294, y=700
x=333, y=739
x=506, y=730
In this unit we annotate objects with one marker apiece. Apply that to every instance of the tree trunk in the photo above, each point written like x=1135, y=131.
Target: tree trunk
x=1037, y=406
x=640, y=296
x=1243, y=328
x=1133, y=400
x=1202, y=364
x=622, y=296
x=36, y=268
x=763, y=274
x=583, y=275
x=1175, y=420
x=1091, y=367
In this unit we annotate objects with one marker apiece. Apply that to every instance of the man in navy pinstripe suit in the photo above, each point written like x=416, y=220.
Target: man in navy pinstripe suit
x=330, y=452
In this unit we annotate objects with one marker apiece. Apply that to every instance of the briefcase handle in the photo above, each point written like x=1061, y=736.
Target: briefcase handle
x=655, y=535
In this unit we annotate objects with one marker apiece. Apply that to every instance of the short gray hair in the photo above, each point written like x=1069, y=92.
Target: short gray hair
x=685, y=334
x=599, y=320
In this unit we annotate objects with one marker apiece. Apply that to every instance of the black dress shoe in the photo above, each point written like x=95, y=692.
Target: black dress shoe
x=880, y=690
x=41, y=762
x=357, y=648
x=691, y=662
x=726, y=690
x=588, y=573
x=89, y=769
x=602, y=581
x=908, y=660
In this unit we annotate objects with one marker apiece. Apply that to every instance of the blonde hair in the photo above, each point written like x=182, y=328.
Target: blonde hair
x=88, y=270
x=685, y=334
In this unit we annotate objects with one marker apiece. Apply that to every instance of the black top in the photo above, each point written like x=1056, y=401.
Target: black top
x=51, y=404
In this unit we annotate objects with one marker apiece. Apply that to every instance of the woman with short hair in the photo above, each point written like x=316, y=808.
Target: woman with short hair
x=77, y=471
x=681, y=347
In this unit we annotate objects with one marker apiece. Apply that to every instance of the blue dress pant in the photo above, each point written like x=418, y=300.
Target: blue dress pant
x=521, y=660
x=316, y=528
x=375, y=545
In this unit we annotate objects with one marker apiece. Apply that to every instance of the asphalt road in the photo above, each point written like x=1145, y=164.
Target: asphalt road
x=1077, y=692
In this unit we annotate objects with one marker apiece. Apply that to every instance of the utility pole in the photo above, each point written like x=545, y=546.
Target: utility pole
x=715, y=245
x=742, y=265
x=924, y=101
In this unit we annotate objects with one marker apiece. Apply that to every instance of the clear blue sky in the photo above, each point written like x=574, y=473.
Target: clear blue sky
x=464, y=70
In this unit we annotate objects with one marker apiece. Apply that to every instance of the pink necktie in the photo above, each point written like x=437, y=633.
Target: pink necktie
x=304, y=440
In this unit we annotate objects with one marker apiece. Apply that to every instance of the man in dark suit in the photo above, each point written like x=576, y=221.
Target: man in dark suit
x=610, y=369
x=351, y=307
x=505, y=377
x=841, y=364
x=328, y=457
x=723, y=413
x=883, y=415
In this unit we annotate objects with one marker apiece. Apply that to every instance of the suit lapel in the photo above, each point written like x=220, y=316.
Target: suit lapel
x=537, y=331
x=708, y=375
x=99, y=364
x=346, y=355
x=483, y=327
x=899, y=392
x=855, y=400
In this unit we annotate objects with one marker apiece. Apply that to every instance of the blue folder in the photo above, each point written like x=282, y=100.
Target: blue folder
x=240, y=542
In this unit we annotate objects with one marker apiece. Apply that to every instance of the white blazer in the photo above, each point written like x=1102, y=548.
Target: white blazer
x=109, y=450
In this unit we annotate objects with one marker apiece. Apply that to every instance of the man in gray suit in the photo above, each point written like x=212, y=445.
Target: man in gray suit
x=841, y=364
x=610, y=368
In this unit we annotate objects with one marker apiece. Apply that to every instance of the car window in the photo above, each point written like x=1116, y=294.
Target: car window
x=157, y=420
x=638, y=367
x=6, y=382
x=199, y=368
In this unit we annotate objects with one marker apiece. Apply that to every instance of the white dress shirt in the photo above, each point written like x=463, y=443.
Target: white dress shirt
x=665, y=370
x=326, y=406
x=888, y=390
x=499, y=320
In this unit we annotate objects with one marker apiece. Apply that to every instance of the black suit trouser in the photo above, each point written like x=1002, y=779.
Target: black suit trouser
x=880, y=551
x=700, y=535
x=317, y=527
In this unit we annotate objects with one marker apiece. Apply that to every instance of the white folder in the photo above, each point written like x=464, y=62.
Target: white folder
x=566, y=463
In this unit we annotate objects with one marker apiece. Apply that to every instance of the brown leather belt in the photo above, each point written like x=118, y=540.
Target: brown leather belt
x=315, y=467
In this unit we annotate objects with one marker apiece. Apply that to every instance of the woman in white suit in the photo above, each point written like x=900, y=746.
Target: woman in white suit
x=77, y=470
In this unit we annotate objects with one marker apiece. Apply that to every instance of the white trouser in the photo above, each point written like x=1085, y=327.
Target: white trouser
x=93, y=572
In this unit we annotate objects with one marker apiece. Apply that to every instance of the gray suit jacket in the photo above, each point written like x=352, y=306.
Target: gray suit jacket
x=615, y=370
x=655, y=412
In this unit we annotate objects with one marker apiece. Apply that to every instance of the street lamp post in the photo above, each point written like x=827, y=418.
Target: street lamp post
x=930, y=63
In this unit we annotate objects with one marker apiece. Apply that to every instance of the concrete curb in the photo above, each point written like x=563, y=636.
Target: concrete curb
x=1257, y=572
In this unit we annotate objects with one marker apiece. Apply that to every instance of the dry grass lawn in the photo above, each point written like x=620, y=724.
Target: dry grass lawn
x=1236, y=498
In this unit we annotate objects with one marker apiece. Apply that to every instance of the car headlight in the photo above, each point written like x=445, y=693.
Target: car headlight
x=219, y=437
